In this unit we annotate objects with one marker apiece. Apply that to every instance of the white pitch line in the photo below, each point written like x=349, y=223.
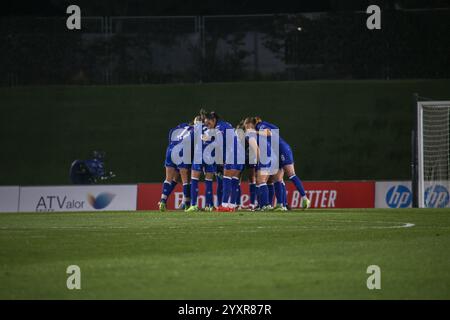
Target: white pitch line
x=350, y=225
x=404, y=225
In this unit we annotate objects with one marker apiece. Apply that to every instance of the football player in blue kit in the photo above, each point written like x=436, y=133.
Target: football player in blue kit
x=285, y=162
x=249, y=167
x=177, y=135
x=231, y=167
x=202, y=162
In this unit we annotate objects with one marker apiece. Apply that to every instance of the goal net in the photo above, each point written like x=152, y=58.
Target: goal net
x=433, y=154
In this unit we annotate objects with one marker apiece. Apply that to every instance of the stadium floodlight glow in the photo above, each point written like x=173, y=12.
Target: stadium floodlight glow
x=433, y=154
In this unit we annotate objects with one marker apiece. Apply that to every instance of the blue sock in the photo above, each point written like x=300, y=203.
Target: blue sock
x=279, y=192
x=167, y=189
x=271, y=193
x=239, y=193
x=187, y=193
x=226, y=190
x=263, y=195
x=219, y=190
x=285, y=201
x=226, y=193
x=257, y=196
x=194, y=191
x=252, y=187
x=298, y=184
x=209, y=202
x=234, y=190
x=173, y=184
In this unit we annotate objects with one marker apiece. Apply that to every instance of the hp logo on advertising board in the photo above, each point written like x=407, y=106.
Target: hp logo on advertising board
x=399, y=196
x=436, y=197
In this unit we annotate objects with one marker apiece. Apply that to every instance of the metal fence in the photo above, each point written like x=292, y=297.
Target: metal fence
x=135, y=50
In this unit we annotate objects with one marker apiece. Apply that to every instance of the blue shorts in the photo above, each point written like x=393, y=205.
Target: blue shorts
x=286, y=156
x=238, y=167
x=209, y=168
x=263, y=166
x=169, y=163
x=270, y=162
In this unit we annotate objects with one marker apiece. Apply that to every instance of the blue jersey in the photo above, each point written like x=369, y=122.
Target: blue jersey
x=228, y=146
x=285, y=153
x=203, y=160
x=204, y=139
x=263, y=125
x=223, y=126
x=207, y=138
x=185, y=131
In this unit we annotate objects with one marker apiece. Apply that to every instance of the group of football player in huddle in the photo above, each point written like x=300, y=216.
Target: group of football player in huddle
x=218, y=151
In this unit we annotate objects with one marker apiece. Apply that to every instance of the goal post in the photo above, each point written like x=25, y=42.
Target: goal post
x=431, y=154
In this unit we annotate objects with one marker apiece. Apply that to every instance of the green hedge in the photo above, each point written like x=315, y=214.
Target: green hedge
x=337, y=129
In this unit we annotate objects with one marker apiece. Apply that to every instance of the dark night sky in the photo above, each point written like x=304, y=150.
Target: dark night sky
x=198, y=7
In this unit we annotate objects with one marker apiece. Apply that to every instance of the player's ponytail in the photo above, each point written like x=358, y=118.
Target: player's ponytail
x=248, y=120
x=241, y=124
x=202, y=113
x=212, y=115
x=252, y=120
x=197, y=120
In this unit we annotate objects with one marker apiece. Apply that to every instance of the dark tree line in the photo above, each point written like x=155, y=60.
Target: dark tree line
x=328, y=46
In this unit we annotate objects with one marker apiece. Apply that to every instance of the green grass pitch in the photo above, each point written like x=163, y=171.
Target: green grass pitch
x=316, y=254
